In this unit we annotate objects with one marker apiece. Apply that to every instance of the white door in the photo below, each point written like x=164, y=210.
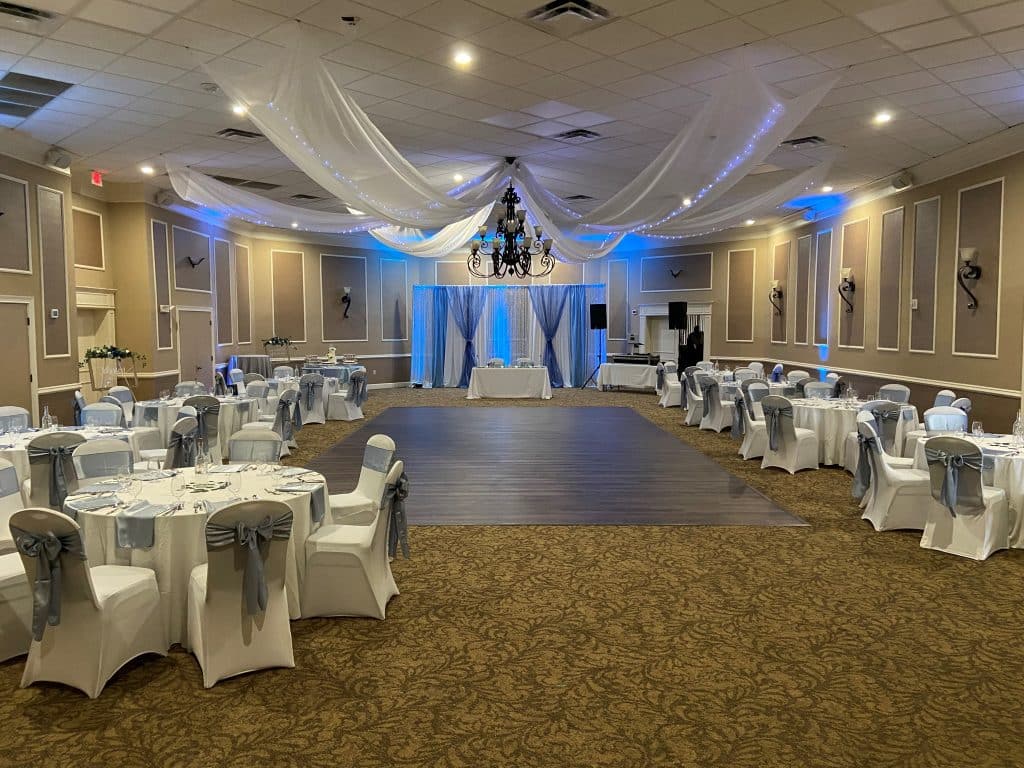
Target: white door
x=195, y=345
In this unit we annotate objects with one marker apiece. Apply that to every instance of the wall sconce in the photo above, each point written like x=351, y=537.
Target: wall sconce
x=968, y=270
x=775, y=296
x=847, y=285
x=346, y=300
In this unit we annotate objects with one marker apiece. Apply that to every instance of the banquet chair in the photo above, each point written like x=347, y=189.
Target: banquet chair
x=286, y=420
x=258, y=444
x=189, y=388
x=789, y=447
x=963, y=403
x=109, y=400
x=126, y=398
x=182, y=447
x=77, y=404
x=754, y=431
x=98, y=618
x=840, y=387
x=103, y=458
x=347, y=567
x=671, y=386
x=11, y=500
x=885, y=416
x=259, y=391
x=15, y=606
x=754, y=391
x=706, y=365
x=776, y=375
x=311, y=398
x=249, y=378
x=694, y=398
x=757, y=367
x=102, y=415
x=207, y=416
x=236, y=379
x=348, y=405
x=944, y=397
x=51, y=470
x=717, y=413
x=495, y=362
x=896, y=497
x=943, y=420
x=818, y=389
x=524, y=362
x=798, y=387
x=14, y=418
x=284, y=372
x=741, y=374
x=220, y=385
x=965, y=517
x=359, y=507
x=831, y=377
x=237, y=605
x=795, y=376
x=898, y=393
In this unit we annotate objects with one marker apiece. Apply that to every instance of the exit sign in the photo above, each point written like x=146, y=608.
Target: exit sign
x=97, y=178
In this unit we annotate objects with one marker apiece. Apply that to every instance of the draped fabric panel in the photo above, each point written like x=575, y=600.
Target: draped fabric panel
x=467, y=306
x=548, y=303
x=508, y=329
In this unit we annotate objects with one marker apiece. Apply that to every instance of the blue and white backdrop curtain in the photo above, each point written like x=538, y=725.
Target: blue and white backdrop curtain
x=508, y=326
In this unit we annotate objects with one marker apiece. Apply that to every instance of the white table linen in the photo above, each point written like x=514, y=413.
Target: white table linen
x=14, y=446
x=631, y=375
x=179, y=543
x=1007, y=473
x=233, y=414
x=833, y=421
x=509, y=383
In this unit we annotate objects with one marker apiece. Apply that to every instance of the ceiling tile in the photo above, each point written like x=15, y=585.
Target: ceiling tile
x=231, y=15
x=115, y=13
x=546, y=128
x=642, y=85
x=603, y=72
x=891, y=16
x=369, y=57
x=76, y=55
x=410, y=39
x=951, y=53
x=53, y=70
x=998, y=17
x=662, y=53
x=695, y=71
x=17, y=42
x=513, y=38
x=990, y=65
x=550, y=109
x=908, y=82
x=1003, y=96
x=942, y=106
x=144, y=70
x=921, y=95
x=511, y=119
x=383, y=86
x=585, y=119
x=989, y=83
x=925, y=35
x=826, y=35
x=202, y=36
x=857, y=52
x=457, y=18
x=678, y=16
x=618, y=36
x=97, y=96
x=789, y=15
x=1006, y=41
x=720, y=36
x=97, y=36
x=253, y=52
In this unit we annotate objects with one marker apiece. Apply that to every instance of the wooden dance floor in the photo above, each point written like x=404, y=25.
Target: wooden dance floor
x=557, y=466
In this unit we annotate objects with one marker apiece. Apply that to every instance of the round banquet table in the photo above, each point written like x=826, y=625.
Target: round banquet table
x=730, y=388
x=328, y=369
x=14, y=445
x=179, y=542
x=252, y=364
x=234, y=412
x=331, y=385
x=833, y=420
x=1007, y=473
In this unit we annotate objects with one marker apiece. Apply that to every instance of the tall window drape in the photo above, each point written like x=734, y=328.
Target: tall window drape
x=438, y=338
x=467, y=305
x=578, y=311
x=548, y=303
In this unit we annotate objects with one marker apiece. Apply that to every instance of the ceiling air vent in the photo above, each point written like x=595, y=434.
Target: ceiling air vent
x=303, y=196
x=576, y=136
x=803, y=142
x=246, y=183
x=22, y=95
x=237, y=134
x=578, y=197
x=566, y=18
x=24, y=12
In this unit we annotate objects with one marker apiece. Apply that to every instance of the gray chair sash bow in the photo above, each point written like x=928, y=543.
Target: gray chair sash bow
x=311, y=390
x=738, y=422
x=202, y=411
x=661, y=376
x=77, y=404
x=284, y=421
x=395, y=495
x=357, y=391
x=47, y=549
x=58, y=479
x=887, y=424
x=220, y=387
x=254, y=581
x=952, y=463
x=862, y=477
x=773, y=424
x=184, y=449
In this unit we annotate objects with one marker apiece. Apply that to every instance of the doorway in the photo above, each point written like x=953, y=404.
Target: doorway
x=195, y=345
x=18, y=386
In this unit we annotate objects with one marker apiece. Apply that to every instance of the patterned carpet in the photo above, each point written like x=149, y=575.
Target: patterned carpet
x=828, y=645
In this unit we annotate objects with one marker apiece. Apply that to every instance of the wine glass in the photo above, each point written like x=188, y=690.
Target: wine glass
x=977, y=429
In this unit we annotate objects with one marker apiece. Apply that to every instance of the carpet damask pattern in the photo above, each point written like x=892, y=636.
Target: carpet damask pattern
x=618, y=647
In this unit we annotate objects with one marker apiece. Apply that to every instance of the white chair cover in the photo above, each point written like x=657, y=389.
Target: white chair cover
x=944, y=419
x=15, y=606
x=757, y=367
x=259, y=391
x=818, y=389
x=51, y=469
x=706, y=365
x=898, y=393
x=11, y=500
x=789, y=447
x=795, y=376
x=13, y=418
x=831, y=377
x=694, y=398
x=249, y=378
x=963, y=403
x=207, y=413
x=88, y=622
x=359, y=506
x=944, y=397
x=102, y=415
x=189, y=388
x=246, y=548
x=754, y=432
x=717, y=414
x=103, y=458
x=347, y=567
x=895, y=497
x=127, y=400
x=236, y=379
x=283, y=372
x=311, y=398
x=259, y=444
x=742, y=374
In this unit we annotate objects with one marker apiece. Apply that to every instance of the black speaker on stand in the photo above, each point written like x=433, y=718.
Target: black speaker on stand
x=598, y=322
x=677, y=322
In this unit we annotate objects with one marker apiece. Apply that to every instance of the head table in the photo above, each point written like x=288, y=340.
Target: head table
x=178, y=536
x=14, y=445
x=532, y=382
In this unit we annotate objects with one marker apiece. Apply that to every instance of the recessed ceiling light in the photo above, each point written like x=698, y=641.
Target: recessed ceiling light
x=239, y=109
x=826, y=188
x=749, y=222
x=147, y=169
x=463, y=58
x=295, y=225
x=457, y=177
x=687, y=202
x=881, y=118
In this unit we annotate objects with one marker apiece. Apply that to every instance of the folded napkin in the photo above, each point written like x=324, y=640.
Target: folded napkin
x=73, y=506
x=100, y=488
x=155, y=474
x=317, y=499
x=215, y=506
x=225, y=469
x=135, y=524
x=293, y=471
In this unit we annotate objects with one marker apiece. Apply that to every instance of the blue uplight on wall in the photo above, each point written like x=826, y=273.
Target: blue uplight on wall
x=818, y=206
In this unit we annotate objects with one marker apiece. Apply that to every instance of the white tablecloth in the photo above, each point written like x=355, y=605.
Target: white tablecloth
x=833, y=421
x=14, y=447
x=234, y=412
x=331, y=385
x=509, y=382
x=627, y=375
x=179, y=542
x=1007, y=473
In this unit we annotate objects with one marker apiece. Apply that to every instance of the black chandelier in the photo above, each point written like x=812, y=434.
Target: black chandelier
x=512, y=247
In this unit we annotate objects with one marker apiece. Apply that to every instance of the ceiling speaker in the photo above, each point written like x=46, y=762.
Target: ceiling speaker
x=165, y=198
x=902, y=181
x=58, y=158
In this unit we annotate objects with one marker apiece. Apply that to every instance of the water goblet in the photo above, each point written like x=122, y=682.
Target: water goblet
x=977, y=429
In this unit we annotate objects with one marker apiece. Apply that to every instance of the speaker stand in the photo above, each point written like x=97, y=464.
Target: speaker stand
x=592, y=375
